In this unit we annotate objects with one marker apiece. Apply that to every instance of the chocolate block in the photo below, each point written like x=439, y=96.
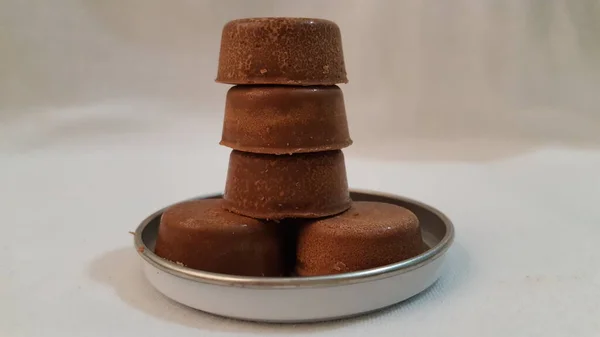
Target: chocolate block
x=288, y=51
x=368, y=235
x=305, y=185
x=203, y=235
x=285, y=119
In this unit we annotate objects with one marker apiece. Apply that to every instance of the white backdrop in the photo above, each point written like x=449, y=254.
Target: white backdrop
x=527, y=72
x=488, y=110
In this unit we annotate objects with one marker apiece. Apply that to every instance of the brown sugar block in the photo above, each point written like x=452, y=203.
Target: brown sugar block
x=202, y=235
x=285, y=119
x=288, y=51
x=305, y=185
x=368, y=235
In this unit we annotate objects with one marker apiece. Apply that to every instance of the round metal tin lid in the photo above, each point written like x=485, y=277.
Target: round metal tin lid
x=438, y=235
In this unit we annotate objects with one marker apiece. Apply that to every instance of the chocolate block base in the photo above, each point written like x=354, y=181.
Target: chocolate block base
x=368, y=235
x=203, y=235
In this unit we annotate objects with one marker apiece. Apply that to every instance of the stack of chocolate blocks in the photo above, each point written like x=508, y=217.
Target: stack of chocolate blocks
x=285, y=118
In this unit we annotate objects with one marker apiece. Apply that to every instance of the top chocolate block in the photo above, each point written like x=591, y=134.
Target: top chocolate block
x=284, y=51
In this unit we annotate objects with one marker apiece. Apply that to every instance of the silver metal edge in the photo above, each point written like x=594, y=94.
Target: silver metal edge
x=299, y=282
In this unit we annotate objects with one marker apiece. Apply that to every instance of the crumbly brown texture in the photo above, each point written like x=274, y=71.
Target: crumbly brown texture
x=289, y=51
x=305, y=185
x=368, y=235
x=285, y=119
x=203, y=235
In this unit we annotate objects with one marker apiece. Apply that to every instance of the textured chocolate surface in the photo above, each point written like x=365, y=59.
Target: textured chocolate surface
x=285, y=119
x=203, y=235
x=290, y=51
x=306, y=185
x=368, y=235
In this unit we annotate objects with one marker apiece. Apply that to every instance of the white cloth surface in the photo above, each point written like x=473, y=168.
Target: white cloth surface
x=525, y=262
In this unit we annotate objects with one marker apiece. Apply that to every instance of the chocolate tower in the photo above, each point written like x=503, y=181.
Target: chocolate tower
x=285, y=119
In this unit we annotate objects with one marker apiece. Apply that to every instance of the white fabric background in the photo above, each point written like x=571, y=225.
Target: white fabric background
x=486, y=109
